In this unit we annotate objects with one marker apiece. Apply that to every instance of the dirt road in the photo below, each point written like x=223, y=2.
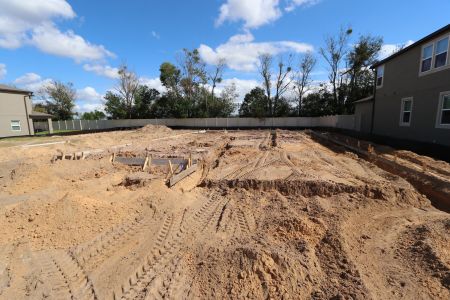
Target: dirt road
x=269, y=215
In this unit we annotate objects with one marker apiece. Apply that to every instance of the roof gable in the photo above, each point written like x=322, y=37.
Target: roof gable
x=420, y=42
x=10, y=89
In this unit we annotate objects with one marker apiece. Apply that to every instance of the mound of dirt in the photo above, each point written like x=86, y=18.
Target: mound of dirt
x=154, y=129
x=268, y=216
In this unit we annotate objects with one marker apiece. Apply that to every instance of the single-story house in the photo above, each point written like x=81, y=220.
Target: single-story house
x=412, y=95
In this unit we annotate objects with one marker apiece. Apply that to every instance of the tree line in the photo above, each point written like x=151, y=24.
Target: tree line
x=287, y=86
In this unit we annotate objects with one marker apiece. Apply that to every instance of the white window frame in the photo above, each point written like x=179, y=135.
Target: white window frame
x=436, y=54
x=382, y=77
x=402, y=111
x=433, y=58
x=440, y=110
x=12, y=126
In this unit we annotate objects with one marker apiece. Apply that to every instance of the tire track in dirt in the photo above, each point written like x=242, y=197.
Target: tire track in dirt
x=153, y=265
x=251, y=172
x=296, y=174
x=63, y=277
x=5, y=275
x=262, y=159
x=242, y=221
x=159, y=276
x=236, y=173
x=105, y=244
x=259, y=161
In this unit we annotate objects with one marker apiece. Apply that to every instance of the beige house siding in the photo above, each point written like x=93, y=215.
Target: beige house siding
x=12, y=108
x=402, y=80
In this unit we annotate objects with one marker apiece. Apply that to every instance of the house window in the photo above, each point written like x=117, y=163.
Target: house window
x=440, y=58
x=427, y=58
x=15, y=125
x=444, y=110
x=380, y=76
x=406, y=111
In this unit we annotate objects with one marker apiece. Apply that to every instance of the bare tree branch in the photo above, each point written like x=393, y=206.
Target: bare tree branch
x=303, y=78
x=264, y=68
x=127, y=87
x=334, y=52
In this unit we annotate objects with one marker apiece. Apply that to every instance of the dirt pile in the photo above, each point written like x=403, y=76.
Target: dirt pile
x=154, y=129
x=267, y=216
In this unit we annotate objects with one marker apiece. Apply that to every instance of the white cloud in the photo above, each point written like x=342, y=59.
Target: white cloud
x=389, y=49
x=241, y=52
x=102, y=70
x=89, y=94
x=3, y=71
x=88, y=99
x=154, y=83
x=254, y=13
x=293, y=4
x=33, y=23
x=32, y=82
x=50, y=39
x=27, y=78
x=18, y=16
x=83, y=107
x=243, y=86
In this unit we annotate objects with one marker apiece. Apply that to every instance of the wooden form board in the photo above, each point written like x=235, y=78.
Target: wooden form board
x=130, y=161
x=180, y=176
x=138, y=161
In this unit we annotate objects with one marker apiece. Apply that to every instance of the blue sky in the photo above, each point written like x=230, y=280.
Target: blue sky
x=83, y=41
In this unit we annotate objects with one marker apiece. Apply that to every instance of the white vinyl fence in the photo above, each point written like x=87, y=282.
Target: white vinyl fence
x=342, y=122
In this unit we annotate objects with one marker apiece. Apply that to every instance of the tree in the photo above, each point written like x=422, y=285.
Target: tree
x=360, y=77
x=334, y=52
x=126, y=88
x=60, y=99
x=265, y=70
x=283, y=80
x=303, y=78
x=193, y=72
x=170, y=77
x=145, y=98
x=319, y=103
x=93, y=115
x=114, y=106
x=215, y=76
x=282, y=108
x=170, y=107
x=224, y=106
x=40, y=107
x=255, y=104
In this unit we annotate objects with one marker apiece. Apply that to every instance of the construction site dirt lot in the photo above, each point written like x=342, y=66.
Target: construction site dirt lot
x=266, y=215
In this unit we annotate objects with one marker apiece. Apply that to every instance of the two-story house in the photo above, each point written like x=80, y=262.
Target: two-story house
x=16, y=113
x=412, y=95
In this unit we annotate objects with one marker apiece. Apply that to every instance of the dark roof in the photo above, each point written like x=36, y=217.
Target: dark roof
x=7, y=88
x=422, y=41
x=40, y=115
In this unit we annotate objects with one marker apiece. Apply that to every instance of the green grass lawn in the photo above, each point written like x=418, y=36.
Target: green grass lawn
x=39, y=137
x=54, y=132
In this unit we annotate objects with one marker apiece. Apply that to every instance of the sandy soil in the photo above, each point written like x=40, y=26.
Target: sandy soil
x=269, y=215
